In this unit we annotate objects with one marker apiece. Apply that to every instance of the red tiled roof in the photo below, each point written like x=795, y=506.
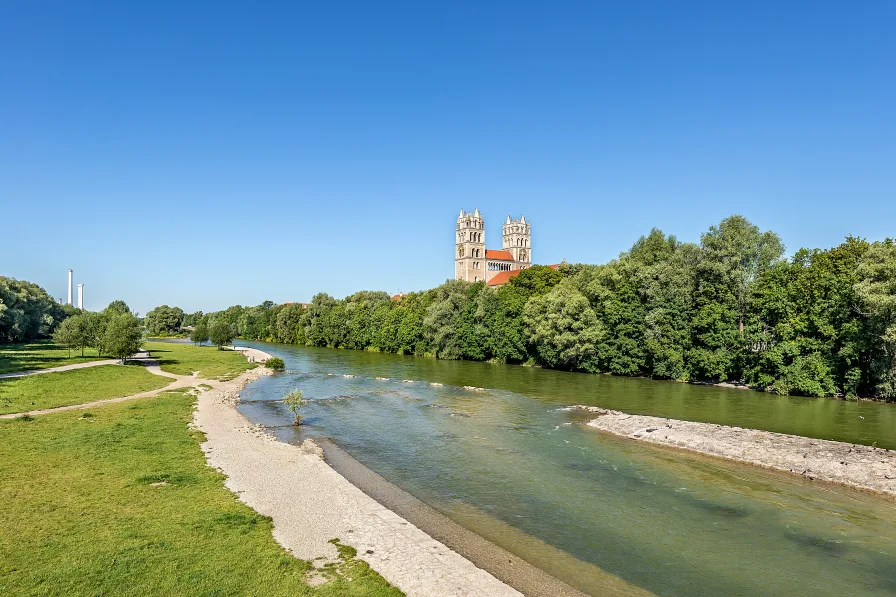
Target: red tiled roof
x=500, y=255
x=504, y=277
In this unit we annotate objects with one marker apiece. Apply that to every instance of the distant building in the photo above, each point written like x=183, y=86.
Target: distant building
x=474, y=263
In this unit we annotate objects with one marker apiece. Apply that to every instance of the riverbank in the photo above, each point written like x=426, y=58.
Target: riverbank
x=862, y=467
x=311, y=504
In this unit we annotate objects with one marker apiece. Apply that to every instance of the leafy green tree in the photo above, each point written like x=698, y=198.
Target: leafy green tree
x=444, y=321
x=286, y=323
x=164, y=320
x=876, y=291
x=733, y=255
x=66, y=335
x=613, y=296
x=360, y=308
x=505, y=323
x=191, y=319
x=537, y=279
x=123, y=335
x=117, y=307
x=564, y=329
x=663, y=269
x=27, y=312
x=200, y=331
x=295, y=400
x=316, y=320
x=220, y=332
x=807, y=338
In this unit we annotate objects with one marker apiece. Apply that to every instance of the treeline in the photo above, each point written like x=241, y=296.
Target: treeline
x=27, y=312
x=114, y=331
x=729, y=309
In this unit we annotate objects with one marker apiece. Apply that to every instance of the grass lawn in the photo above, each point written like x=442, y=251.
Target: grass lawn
x=81, y=514
x=211, y=363
x=40, y=355
x=49, y=390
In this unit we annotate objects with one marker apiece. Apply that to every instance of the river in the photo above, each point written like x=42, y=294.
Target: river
x=512, y=463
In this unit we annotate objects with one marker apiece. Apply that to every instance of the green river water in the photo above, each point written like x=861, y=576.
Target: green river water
x=515, y=465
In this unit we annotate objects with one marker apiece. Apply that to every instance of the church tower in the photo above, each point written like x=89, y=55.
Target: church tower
x=517, y=241
x=469, y=253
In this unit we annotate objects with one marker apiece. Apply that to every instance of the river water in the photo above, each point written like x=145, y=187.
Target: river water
x=514, y=464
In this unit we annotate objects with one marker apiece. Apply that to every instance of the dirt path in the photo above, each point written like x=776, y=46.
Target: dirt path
x=180, y=381
x=863, y=467
x=139, y=356
x=57, y=369
x=311, y=503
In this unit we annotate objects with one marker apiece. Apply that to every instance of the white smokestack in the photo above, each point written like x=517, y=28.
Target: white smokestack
x=69, y=287
x=81, y=296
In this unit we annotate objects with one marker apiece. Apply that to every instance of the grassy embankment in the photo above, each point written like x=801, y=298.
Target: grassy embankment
x=211, y=363
x=119, y=501
x=41, y=355
x=50, y=390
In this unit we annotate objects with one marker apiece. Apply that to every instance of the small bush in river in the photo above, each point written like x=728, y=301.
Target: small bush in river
x=295, y=400
x=275, y=363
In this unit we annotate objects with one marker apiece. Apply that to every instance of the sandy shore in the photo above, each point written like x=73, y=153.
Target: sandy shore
x=854, y=465
x=310, y=503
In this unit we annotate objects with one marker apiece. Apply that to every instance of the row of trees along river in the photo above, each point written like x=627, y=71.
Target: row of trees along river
x=729, y=309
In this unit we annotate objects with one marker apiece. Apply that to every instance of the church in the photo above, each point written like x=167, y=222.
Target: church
x=474, y=263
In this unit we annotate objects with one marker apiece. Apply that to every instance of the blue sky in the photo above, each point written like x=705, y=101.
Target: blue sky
x=214, y=154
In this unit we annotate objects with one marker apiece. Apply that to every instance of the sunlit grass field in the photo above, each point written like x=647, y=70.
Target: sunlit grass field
x=118, y=500
x=184, y=359
x=79, y=386
x=40, y=355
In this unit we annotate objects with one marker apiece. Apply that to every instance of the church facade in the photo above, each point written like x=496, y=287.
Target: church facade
x=474, y=263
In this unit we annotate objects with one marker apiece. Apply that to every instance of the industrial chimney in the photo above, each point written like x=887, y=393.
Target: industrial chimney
x=69, y=287
x=81, y=296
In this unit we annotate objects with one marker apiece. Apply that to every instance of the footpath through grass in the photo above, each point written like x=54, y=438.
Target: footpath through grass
x=41, y=355
x=119, y=501
x=184, y=359
x=79, y=386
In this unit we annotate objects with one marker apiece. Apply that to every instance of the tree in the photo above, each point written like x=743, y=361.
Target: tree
x=220, y=332
x=876, y=292
x=200, y=331
x=564, y=329
x=295, y=400
x=27, y=312
x=123, y=336
x=117, y=307
x=732, y=256
x=66, y=335
x=662, y=269
x=191, y=319
x=444, y=318
x=807, y=337
x=164, y=320
x=95, y=330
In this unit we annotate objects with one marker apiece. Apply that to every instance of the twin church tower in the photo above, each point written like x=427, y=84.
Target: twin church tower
x=474, y=263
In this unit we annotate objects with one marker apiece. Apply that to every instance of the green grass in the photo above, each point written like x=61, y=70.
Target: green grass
x=81, y=516
x=40, y=355
x=211, y=363
x=49, y=390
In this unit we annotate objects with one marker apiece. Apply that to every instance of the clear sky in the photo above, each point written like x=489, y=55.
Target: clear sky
x=203, y=155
